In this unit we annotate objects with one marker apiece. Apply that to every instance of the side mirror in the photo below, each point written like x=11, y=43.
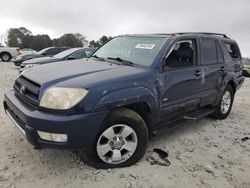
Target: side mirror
x=44, y=53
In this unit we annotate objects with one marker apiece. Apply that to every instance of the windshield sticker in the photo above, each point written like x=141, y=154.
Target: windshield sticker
x=145, y=46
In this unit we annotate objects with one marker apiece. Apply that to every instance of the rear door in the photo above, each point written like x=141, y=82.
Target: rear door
x=181, y=80
x=214, y=69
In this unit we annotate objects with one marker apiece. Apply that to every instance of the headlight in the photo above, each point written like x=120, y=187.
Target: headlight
x=62, y=98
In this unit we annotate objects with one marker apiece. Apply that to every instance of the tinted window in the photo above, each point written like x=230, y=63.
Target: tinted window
x=43, y=50
x=78, y=55
x=52, y=51
x=66, y=53
x=208, y=51
x=220, y=58
x=232, y=50
x=181, y=55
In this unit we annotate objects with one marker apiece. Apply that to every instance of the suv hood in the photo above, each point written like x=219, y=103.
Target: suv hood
x=81, y=73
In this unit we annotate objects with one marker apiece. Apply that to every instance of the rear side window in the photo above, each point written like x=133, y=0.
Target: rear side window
x=208, y=51
x=232, y=49
x=219, y=54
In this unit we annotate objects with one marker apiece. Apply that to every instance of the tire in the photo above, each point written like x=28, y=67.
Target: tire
x=5, y=57
x=121, y=121
x=223, y=109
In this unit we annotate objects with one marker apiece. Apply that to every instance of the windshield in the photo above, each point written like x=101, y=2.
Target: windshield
x=66, y=53
x=43, y=50
x=138, y=50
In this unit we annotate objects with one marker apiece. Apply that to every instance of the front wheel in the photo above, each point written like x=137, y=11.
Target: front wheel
x=225, y=105
x=122, y=141
x=5, y=57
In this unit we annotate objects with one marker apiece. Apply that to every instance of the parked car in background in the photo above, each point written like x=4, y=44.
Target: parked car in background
x=70, y=54
x=51, y=51
x=246, y=67
x=7, y=53
x=109, y=105
x=27, y=51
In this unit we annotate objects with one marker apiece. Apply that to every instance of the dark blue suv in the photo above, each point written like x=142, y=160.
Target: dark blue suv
x=109, y=105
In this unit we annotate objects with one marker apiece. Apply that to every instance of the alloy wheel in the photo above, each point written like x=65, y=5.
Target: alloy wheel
x=226, y=102
x=117, y=144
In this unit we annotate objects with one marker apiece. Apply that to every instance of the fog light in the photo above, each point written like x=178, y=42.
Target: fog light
x=44, y=135
x=53, y=136
x=59, y=137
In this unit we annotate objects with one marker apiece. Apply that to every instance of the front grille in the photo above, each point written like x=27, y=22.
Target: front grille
x=27, y=91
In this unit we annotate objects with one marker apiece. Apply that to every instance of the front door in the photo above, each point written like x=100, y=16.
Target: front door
x=181, y=81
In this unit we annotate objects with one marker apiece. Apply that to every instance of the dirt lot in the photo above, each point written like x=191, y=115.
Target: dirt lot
x=204, y=153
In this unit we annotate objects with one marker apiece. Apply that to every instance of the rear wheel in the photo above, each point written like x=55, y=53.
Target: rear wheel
x=5, y=57
x=121, y=142
x=225, y=105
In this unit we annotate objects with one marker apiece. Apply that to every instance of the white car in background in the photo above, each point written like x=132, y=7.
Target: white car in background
x=7, y=53
x=28, y=51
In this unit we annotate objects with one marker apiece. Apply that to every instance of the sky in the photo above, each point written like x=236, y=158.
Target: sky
x=94, y=18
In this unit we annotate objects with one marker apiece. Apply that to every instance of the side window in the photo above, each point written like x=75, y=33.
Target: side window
x=88, y=53
x=220, y=58
x=52, y=51
x=232, y=49
x=57, y=50
x=77, y=55
x=181, y=55
x=208, y=51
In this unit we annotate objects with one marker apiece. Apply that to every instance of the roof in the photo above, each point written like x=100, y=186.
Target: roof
x=179, y=34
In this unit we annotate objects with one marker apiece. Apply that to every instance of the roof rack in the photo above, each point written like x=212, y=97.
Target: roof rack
x=205, y=33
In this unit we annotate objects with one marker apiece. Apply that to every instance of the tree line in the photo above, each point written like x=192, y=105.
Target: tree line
x=23, y=38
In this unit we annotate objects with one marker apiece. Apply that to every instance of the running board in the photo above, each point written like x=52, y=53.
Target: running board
x=199, y=114
x=179, y=122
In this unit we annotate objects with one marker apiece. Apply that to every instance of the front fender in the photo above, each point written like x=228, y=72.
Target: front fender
x=128, y=96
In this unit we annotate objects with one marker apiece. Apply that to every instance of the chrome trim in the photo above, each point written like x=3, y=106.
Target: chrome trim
x=15, y=123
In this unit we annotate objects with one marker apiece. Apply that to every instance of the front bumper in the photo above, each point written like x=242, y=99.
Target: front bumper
x=82, y=130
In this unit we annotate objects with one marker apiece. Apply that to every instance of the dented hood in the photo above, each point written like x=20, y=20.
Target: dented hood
x=81, y=73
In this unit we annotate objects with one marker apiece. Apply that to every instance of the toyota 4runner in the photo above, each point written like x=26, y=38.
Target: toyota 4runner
x=109, y=105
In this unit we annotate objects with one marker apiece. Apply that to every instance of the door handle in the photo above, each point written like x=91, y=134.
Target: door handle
x=197, y=73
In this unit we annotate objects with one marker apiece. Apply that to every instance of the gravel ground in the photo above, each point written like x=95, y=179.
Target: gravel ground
x=204, y=153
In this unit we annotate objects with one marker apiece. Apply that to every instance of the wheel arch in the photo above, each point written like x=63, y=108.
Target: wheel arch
x=5, y=52
x=139, y=99
x=232, y=84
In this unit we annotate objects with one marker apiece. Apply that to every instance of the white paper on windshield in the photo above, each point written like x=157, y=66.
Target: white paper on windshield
x=145, y=46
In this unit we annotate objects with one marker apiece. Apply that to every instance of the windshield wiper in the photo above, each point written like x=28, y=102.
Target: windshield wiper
x=123, y=61
x=97, y=57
